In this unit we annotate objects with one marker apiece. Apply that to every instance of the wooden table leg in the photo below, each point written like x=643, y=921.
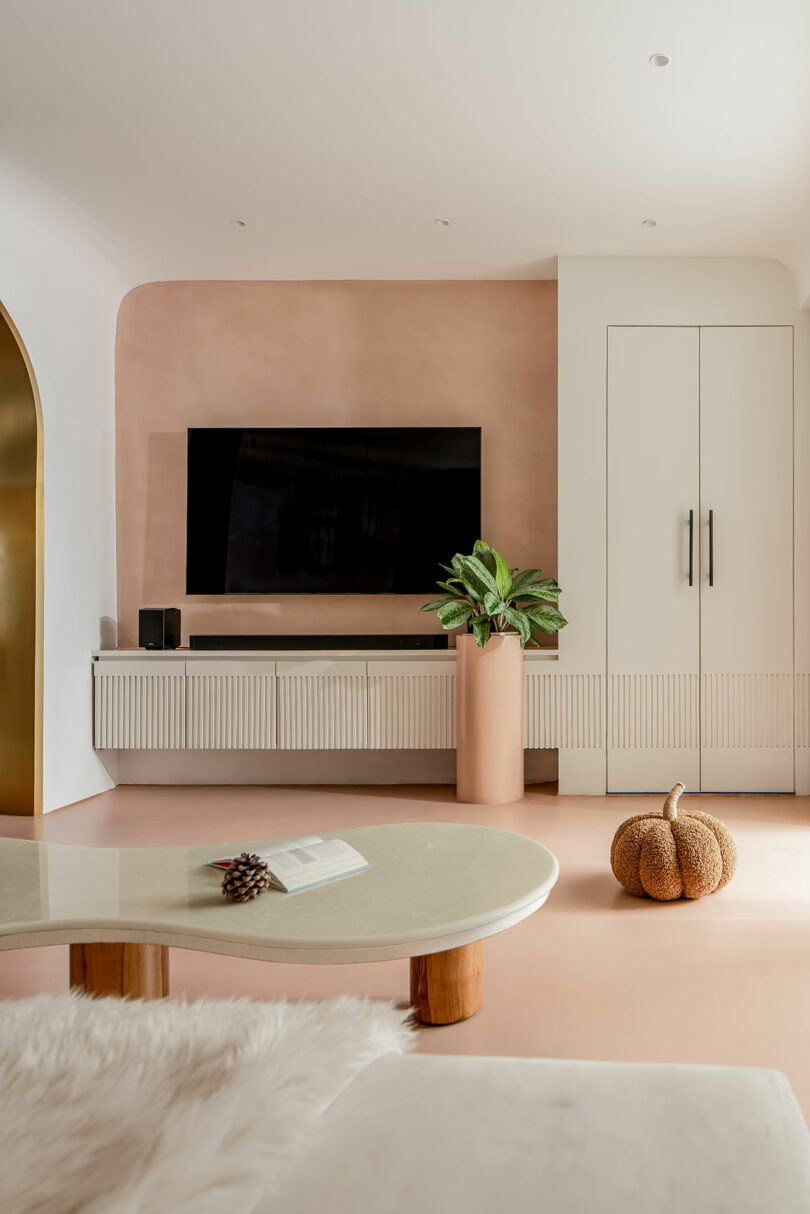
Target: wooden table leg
x=446, y=987
x=140, y=971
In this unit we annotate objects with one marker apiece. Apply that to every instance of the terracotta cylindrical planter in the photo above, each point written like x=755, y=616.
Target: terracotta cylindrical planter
x=489, y=720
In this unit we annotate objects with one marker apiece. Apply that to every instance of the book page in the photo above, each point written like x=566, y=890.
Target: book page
x=329, y=852
x=288, y=845
x=298, y=863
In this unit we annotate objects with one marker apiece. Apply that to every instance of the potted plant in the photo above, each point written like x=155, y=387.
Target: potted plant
x=502, y=610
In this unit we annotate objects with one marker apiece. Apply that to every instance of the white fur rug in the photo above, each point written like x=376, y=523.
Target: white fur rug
x=165, y=1108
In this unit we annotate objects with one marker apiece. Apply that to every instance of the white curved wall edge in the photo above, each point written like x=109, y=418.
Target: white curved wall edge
x=61, y=285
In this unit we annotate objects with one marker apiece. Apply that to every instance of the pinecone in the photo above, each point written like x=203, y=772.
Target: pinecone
x=246, y=878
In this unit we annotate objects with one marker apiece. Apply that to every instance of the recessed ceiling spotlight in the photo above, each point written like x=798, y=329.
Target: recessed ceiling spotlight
x=649, y=223
x=238, y=223
x=442, y=223
x=659, y=60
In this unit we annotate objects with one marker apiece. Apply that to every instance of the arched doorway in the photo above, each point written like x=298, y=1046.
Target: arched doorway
x=20, y=578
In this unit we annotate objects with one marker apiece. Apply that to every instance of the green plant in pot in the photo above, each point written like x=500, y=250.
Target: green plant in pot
x=483, y=593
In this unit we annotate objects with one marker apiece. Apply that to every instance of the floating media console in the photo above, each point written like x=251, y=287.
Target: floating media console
x=355, y=700
x=415, y=641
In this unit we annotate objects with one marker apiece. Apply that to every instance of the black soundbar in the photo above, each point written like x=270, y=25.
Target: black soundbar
x=419, y=640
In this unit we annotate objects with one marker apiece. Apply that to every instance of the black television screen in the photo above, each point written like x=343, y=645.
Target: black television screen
x=369, y=510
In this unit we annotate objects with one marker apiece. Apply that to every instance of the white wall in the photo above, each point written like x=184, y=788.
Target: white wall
x=595, y=292
x=62, y=288
x=801, y=530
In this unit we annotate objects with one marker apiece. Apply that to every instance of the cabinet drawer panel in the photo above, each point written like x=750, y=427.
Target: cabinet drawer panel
x=322, y=711
x=412, y=709
x=230, y=711
x=139, y=711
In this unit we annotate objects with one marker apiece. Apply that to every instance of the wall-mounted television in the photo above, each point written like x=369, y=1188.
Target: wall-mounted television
x=343, y=510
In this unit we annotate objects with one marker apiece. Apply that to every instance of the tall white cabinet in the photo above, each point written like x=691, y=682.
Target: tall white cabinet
x=700, y=558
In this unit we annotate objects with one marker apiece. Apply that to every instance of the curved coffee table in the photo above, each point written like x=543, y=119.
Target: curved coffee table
x=433, y=893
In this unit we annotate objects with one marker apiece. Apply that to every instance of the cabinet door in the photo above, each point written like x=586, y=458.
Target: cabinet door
x=653, y=613
x=412, y=704
x=746, y=454
x=139, y=704
x=230, y=705
x=322, y=704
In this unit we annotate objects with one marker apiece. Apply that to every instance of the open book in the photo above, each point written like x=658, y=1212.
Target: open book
x=300, y=863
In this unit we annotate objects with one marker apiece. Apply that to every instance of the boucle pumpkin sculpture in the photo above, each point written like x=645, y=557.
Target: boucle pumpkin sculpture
x=669, y=855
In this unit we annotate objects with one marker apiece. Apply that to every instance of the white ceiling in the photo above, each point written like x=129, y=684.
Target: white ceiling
x=341, y=129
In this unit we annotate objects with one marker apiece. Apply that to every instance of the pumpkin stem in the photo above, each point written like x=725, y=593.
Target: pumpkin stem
x=671, y=803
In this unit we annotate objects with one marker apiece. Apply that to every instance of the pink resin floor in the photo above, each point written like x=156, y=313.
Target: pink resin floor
x=594, y=974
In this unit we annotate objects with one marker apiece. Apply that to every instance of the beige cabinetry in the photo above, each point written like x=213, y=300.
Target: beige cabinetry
x=700, y=558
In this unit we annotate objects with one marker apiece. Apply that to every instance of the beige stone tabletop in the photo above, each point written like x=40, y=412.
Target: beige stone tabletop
x=431, y=887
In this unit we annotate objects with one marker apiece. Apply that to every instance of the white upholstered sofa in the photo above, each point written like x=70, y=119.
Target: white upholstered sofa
x=116, y=1107
x=528, y=1136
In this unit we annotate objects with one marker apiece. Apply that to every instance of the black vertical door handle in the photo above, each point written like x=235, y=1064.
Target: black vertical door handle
x=691, y=547
x=711, y=547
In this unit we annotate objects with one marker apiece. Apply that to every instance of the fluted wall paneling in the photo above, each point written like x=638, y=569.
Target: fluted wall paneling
x=803, y=711
x=653, y=711
x=563, y=711
x=747, y=710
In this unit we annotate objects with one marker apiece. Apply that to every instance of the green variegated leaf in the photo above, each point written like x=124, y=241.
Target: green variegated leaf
x=528, y=578
x=454, y=614
x=473, y=588
x=441, y=601
x=545, y=619
x=549, y=588
x=548, y=591
x=472, y=583
x=518, y=620
x=503, y=576
x=482, y=588
x=481, y=630
x=485, y=555
x=473, y=571
x=492, y=604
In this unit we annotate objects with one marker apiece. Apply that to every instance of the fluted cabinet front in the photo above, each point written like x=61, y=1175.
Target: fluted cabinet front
x=231, y=706
x=412, y=705
x=138, y=708
x=149, y=702
x=322, y=705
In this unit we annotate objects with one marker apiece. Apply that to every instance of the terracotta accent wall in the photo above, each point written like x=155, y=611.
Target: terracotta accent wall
x=326, y=354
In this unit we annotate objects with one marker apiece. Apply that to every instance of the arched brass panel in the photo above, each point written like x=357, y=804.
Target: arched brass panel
x=20, y=579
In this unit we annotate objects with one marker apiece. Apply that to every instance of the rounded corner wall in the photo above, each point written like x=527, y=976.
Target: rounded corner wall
x=22, y=578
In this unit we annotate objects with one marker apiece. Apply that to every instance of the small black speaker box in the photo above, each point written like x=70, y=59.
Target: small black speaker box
x=159, y=627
